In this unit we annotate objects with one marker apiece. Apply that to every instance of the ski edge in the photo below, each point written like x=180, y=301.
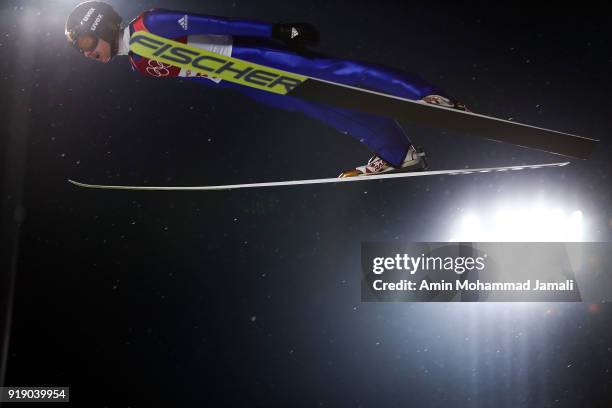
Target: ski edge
x=317, y=181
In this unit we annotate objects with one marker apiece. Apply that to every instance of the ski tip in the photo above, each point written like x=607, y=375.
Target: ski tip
x=78, y=184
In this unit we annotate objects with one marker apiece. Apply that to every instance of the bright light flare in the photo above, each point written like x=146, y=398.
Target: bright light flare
x=531, y=224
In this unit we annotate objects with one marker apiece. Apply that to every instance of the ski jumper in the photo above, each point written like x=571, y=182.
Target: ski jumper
x=252, y=41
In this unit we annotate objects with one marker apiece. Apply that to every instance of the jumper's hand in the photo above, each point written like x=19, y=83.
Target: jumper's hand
x=296, y=34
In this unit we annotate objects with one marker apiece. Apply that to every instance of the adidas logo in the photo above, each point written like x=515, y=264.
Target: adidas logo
x=183, y=22
x=294, y=32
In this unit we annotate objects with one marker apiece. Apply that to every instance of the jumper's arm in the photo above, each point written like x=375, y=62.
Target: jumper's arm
x=174, y=24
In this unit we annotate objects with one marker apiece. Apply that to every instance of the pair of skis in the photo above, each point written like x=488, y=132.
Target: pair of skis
x=321, y=91
x=320, y=181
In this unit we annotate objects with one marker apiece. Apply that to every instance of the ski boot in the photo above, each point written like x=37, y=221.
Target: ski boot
x=414, y=161
x=444, y=102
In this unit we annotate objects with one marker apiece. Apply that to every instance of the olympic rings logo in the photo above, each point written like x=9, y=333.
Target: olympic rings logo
x=157, y=69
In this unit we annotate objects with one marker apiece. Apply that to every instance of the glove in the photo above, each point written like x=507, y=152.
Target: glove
x=296, y=34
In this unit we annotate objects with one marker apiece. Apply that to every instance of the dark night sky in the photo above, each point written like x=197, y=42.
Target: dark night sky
x=252, y=298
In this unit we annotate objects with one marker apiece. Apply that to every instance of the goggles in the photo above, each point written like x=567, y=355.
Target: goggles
x=85, y=42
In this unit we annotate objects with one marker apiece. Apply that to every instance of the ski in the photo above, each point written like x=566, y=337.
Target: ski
x=344, y=96
x=320, y=181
